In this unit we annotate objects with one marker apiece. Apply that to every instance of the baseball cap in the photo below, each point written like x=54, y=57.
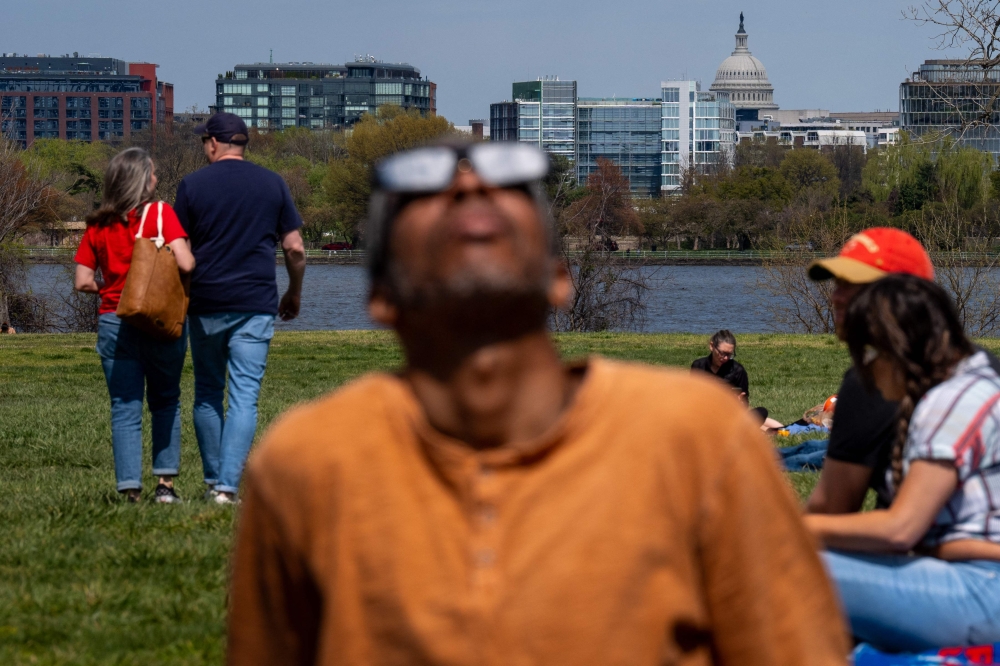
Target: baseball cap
x=873, y=254
x=225, y=128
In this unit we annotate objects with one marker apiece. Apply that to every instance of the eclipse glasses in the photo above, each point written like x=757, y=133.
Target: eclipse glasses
x=432, y=169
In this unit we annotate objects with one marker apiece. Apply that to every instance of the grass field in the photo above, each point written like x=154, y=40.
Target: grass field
x=88, y=579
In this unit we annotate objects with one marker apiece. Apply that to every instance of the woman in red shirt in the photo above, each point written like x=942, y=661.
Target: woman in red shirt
x=134, y=363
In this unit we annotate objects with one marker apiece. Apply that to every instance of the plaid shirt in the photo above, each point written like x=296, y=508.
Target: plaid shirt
x=959, y=421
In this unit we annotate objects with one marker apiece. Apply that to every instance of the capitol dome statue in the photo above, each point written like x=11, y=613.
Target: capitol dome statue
x=745, y=79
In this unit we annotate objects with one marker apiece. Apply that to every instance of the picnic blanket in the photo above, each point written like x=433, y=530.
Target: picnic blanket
x=805, y=457
x=980, y=655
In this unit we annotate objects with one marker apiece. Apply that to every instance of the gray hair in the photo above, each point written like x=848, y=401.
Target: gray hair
x=126, y=183
x=383, y=207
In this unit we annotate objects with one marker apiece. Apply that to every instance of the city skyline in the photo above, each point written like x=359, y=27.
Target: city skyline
x=853, y=58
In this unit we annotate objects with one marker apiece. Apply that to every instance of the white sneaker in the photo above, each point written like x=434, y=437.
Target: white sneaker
x=224, y=498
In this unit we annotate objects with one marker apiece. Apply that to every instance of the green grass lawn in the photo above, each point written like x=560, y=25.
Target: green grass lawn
x=88, y=579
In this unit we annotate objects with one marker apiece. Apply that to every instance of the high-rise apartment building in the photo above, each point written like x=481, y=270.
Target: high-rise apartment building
x=279, y=95
x=70, y=97
x=955, y=98
x=543, y=113
x=698, y=130
x=624, y=131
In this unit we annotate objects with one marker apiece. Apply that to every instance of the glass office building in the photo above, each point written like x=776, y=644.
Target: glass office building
x=952, y=97
x=543, y=113
x=318, y=96
x=80, y=98
x=625, y=131
x=698, y=131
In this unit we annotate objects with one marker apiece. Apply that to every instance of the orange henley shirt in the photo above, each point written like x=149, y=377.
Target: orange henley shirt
x=650, y=525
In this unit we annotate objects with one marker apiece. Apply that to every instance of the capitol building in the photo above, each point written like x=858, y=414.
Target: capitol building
x=745, y=79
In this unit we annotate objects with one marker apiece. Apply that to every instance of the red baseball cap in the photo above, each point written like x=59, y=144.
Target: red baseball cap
x=873, y=254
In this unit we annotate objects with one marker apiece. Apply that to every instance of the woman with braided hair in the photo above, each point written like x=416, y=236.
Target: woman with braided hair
x=925, y=572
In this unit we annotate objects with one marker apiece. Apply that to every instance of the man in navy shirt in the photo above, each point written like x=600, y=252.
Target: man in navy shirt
x=235, y=213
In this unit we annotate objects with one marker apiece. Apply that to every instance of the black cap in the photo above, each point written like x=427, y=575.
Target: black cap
x=225, y=128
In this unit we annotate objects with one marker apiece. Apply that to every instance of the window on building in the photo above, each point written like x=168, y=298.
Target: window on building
x=262, y=101
x=288, y=91
x=288, y=113
x=287, y=101
x=262, y=87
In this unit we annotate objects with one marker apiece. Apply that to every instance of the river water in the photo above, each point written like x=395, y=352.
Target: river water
x=683, y=299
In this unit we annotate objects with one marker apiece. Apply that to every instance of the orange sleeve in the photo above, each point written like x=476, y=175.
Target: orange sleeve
x=275, y=608
x=769, y=598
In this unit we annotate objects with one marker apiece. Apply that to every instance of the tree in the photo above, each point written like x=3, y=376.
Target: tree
x=973, y=26
x=759, y=152
x=24, y=196
x=348, y=179
x=810, y=170
x=607, y=294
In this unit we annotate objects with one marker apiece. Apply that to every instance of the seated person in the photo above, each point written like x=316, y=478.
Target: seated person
x=905, y=337
x=864, y=430
x=7, y=329
x=721, y=362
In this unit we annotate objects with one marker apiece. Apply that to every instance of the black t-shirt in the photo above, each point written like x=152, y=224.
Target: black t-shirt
x=235, y=212
x=730, y=372
x=864, y=429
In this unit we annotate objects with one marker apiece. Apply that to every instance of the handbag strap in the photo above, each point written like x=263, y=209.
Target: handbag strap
x=158, y=240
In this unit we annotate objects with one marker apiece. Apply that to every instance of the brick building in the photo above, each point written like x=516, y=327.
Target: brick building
x=82, y=98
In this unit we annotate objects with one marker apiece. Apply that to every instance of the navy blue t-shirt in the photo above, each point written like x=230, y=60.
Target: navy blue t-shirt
x=235, y=212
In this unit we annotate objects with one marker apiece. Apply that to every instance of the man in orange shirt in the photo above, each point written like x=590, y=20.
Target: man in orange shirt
x=489, y=504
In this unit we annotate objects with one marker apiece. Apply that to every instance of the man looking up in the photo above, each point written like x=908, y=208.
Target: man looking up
x=235, y=213
x=489, y=504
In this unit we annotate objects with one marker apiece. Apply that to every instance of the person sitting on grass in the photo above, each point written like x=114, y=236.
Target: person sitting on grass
x=7, y=329
x=857, y=456
x=906, y=339
x=721, y=362
x=134, y=363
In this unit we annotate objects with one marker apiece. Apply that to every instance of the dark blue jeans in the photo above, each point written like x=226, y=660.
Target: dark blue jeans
x=135, y=364
x=807, y=456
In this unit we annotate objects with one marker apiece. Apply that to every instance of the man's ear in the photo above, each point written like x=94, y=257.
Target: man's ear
x=381, y=308
x=561, y=287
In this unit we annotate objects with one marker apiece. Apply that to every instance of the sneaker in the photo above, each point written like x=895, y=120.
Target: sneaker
x=224, y=498
x=132, y=496
x=210, y=494
x=165, y=495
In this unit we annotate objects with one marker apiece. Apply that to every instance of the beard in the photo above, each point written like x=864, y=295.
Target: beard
x=479, y=304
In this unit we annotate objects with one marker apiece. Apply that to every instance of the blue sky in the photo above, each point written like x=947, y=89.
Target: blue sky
x=848, y=55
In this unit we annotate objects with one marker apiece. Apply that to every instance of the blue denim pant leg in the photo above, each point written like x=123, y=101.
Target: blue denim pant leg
x=129, y=360
x=808, y=455
x=163, y=363
x=909, y=604
x=233, y=343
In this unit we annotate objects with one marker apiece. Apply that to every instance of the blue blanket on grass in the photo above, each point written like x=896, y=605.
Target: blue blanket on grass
x=980, y=655
x=806, y=457
x=799, y=429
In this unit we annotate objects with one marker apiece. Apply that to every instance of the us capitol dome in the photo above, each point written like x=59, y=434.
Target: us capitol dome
x=745, y=79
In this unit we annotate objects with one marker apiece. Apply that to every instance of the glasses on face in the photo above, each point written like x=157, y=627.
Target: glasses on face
x=432, y=169
x=724, y=354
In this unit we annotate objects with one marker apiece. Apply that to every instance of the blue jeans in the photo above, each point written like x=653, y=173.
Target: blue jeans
x=134, y=363
x=236, y=342
x=908, y=604
x=806, y=456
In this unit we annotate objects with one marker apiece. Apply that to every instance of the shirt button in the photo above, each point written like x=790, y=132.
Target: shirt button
x=485, y=558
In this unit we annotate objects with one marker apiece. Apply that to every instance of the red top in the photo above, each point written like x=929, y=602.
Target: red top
x=110, y=249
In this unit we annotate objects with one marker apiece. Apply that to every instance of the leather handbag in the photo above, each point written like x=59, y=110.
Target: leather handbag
x=154, y=298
